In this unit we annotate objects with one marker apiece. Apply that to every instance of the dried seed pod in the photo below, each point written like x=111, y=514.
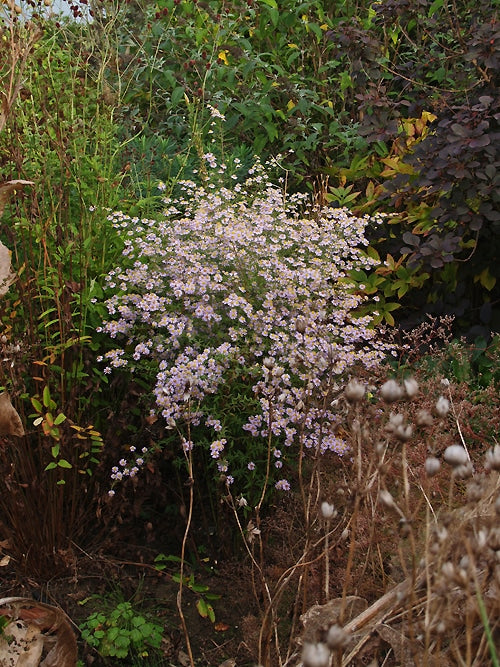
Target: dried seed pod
x=455, y=455
x=493, y=458
x=328, y=510
x=315, y=655
x=423, y=418
x=386, y=498
x=411, y=387
x=432, y=466
x=391, y=391
x=336, y=637
x=442, y=406
x=354, y=391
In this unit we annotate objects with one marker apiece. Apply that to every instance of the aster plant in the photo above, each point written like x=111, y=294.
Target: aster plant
x=236, y=302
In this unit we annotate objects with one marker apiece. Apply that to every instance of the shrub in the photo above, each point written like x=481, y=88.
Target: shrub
x=235, y=304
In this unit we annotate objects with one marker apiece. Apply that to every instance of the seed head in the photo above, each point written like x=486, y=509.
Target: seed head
x=337, y=637
x=455, y=455
x=423, y=418
x=442, y=406
x=386, y=498
x=315, y=655
x=354, y=391
x=411, y=387
x=328, y=510
x=391, y=391
x=464, y=471
x=493, y=458
x=300, y=325
x=432, y=466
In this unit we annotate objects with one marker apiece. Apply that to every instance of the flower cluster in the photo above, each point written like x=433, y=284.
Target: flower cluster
x=243, y=282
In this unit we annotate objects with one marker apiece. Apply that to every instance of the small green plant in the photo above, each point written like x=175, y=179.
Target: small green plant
x=205, y=598
x=122, y=632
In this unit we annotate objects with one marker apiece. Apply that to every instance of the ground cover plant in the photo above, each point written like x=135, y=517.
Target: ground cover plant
x=217, y=446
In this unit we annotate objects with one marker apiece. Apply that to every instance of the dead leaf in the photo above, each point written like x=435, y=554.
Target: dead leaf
x=6, y=274
x=221, y=627
x=38, y=629
x=6, y=189
x=10, y=421
x=230, y=662
x=4, y=561
x=183, y=659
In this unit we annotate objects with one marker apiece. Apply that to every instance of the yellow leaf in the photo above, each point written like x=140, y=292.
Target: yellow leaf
x=292, y=46
x=290, y=105
x=223, y=56
x=428, y=117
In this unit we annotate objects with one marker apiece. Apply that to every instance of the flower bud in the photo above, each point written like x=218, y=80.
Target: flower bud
x=300, y=325
x=391, y=391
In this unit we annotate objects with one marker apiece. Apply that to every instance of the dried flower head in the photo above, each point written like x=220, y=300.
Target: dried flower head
x=354, y=391
x=442, y=406
x=391, y=391
x=328, y=510
x=493, y=458
x=411, y=387
x=432, y=466
x=315, y=655
x=456, y=455
x=336, y=637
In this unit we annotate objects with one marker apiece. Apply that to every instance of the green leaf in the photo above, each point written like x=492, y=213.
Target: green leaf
x=36, y=404
x=62, y=463
x=59, y=419
x=46, y=397
x=211, y=613
x=51, y=466
x=202, y=608
x=177, y=95
x=270, y=3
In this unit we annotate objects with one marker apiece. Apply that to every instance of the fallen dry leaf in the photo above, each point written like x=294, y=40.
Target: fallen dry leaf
x=4, y=561
x=38, y=629
x=7, y=188
x=6, y=273
x=10, y=421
